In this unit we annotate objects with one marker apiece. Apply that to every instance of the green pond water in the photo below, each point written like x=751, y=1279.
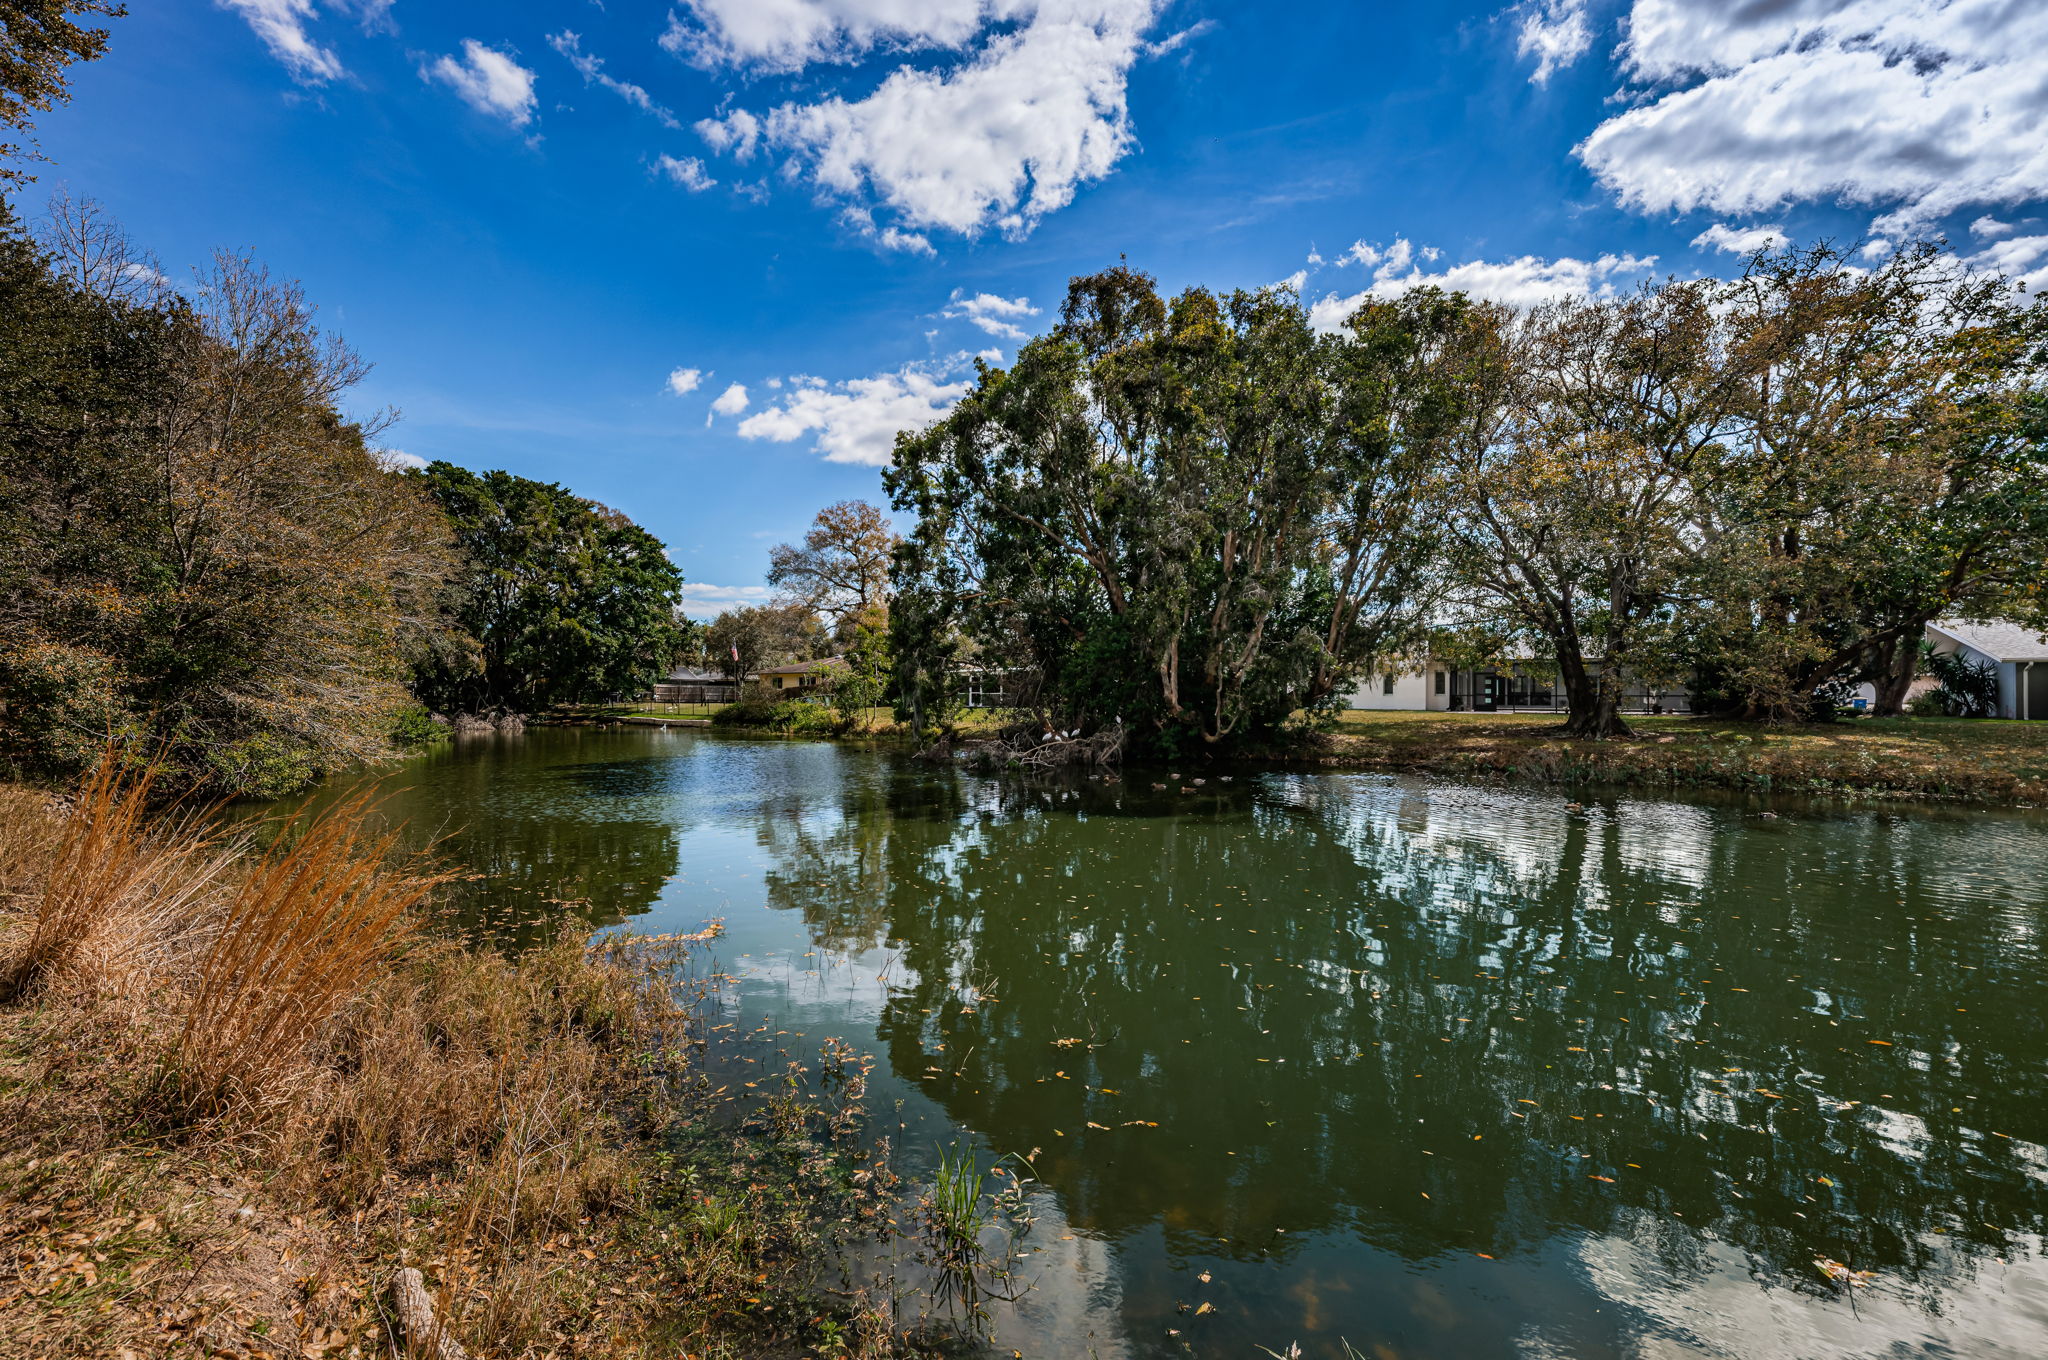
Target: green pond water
x=1441, y=1070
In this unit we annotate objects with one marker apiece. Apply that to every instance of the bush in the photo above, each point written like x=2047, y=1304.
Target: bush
x=59, y=705
x=1967, y=690
x=1928, y=704
x=267, y=765
x=414, y=726
x=780, y=715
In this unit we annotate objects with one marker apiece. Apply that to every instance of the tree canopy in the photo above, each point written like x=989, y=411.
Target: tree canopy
x=1193, y=516
x=1764, y=486
x=1201, y=515
x=38, y=40
x=742, y=641
x=197, y=547
x=560, y=600
x=841, y=570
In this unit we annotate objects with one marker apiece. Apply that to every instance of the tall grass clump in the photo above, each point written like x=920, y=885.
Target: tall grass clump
x=119, y=888
x=308, y=926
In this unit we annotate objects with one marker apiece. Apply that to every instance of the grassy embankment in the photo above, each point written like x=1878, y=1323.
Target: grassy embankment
x=1974, y=760
x=1980, y=760
x=241, y=1088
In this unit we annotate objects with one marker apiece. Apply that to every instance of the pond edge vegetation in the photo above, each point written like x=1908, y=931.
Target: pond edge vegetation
x=246, y=1081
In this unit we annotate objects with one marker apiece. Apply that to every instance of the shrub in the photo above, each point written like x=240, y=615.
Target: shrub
x=784, y=715
x=1968, y=690
x=414, y=726
x=62, y=703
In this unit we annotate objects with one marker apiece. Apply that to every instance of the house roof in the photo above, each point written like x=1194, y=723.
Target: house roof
x=693, y=675
x=1996, y=638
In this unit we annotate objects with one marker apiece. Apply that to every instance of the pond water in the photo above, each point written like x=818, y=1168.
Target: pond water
x=1433, y=1069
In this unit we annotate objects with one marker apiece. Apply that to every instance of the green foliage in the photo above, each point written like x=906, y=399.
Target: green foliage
x=1882, y=462
x=1771, y=483
x=1198, y=516
x=262, y=765
x=742, y=641
x=1931, y=703
x=561, y=600
x=860, y=681
x=414, y=726
x=63, y=703
x=793, y=716
x=1968, y=689
x=196, y=547
x=38, y=40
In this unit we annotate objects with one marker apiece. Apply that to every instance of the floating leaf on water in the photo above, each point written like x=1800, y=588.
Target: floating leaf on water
x=1841, y=1274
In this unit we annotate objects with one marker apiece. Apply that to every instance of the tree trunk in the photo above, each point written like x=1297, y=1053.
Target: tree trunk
x=1594, y=705
x=1895, y=680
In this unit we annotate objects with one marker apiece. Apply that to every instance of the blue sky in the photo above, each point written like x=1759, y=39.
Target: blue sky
x=563, y=232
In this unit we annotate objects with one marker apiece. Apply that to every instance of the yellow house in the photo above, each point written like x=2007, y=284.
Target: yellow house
x=801, y=676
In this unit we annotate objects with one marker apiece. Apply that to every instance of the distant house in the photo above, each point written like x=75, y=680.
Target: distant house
x=695, y=685
x=2019, y=654
x=1435, y=685
x=990, y=686
x=804, y=675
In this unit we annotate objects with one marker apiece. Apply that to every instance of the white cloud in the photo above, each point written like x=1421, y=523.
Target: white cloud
x=733, y=399
x=683, y=381
x=858, y=421
x=1521, y=282
x=1989, y=228
x=738, y=132
x=398, y=460
x=788, y=35
x=1921, y=107
x=1741, y=240
x=702, y=600
x=489, y=81
x=993, y=314
x=2023, y=259
x=1292, y=282
x=1556, y=33
x=1035, y=108
x=910, y=242
x=688, y=172
x=373, y=15
x=281, y=24
x=591, y=68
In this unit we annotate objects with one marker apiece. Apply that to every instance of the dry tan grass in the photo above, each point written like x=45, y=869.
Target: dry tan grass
x=351, y=1093
x=306, y=928
x=122, y=891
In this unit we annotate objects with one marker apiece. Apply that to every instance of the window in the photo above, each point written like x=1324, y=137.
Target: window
x=1439, y=682
x=1387, y=686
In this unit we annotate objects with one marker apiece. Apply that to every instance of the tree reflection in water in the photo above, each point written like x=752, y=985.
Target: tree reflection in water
x=578, y=828
x=1458, y=1070
x=1447, y=1020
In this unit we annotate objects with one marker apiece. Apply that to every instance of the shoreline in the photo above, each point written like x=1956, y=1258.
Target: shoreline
x=1988, y=763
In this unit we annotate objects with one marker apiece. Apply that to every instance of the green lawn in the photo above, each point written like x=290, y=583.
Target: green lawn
x=1983, y=759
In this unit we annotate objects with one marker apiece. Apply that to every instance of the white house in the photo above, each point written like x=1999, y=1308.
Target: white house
x=2019, y=654
x=1436, y=685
